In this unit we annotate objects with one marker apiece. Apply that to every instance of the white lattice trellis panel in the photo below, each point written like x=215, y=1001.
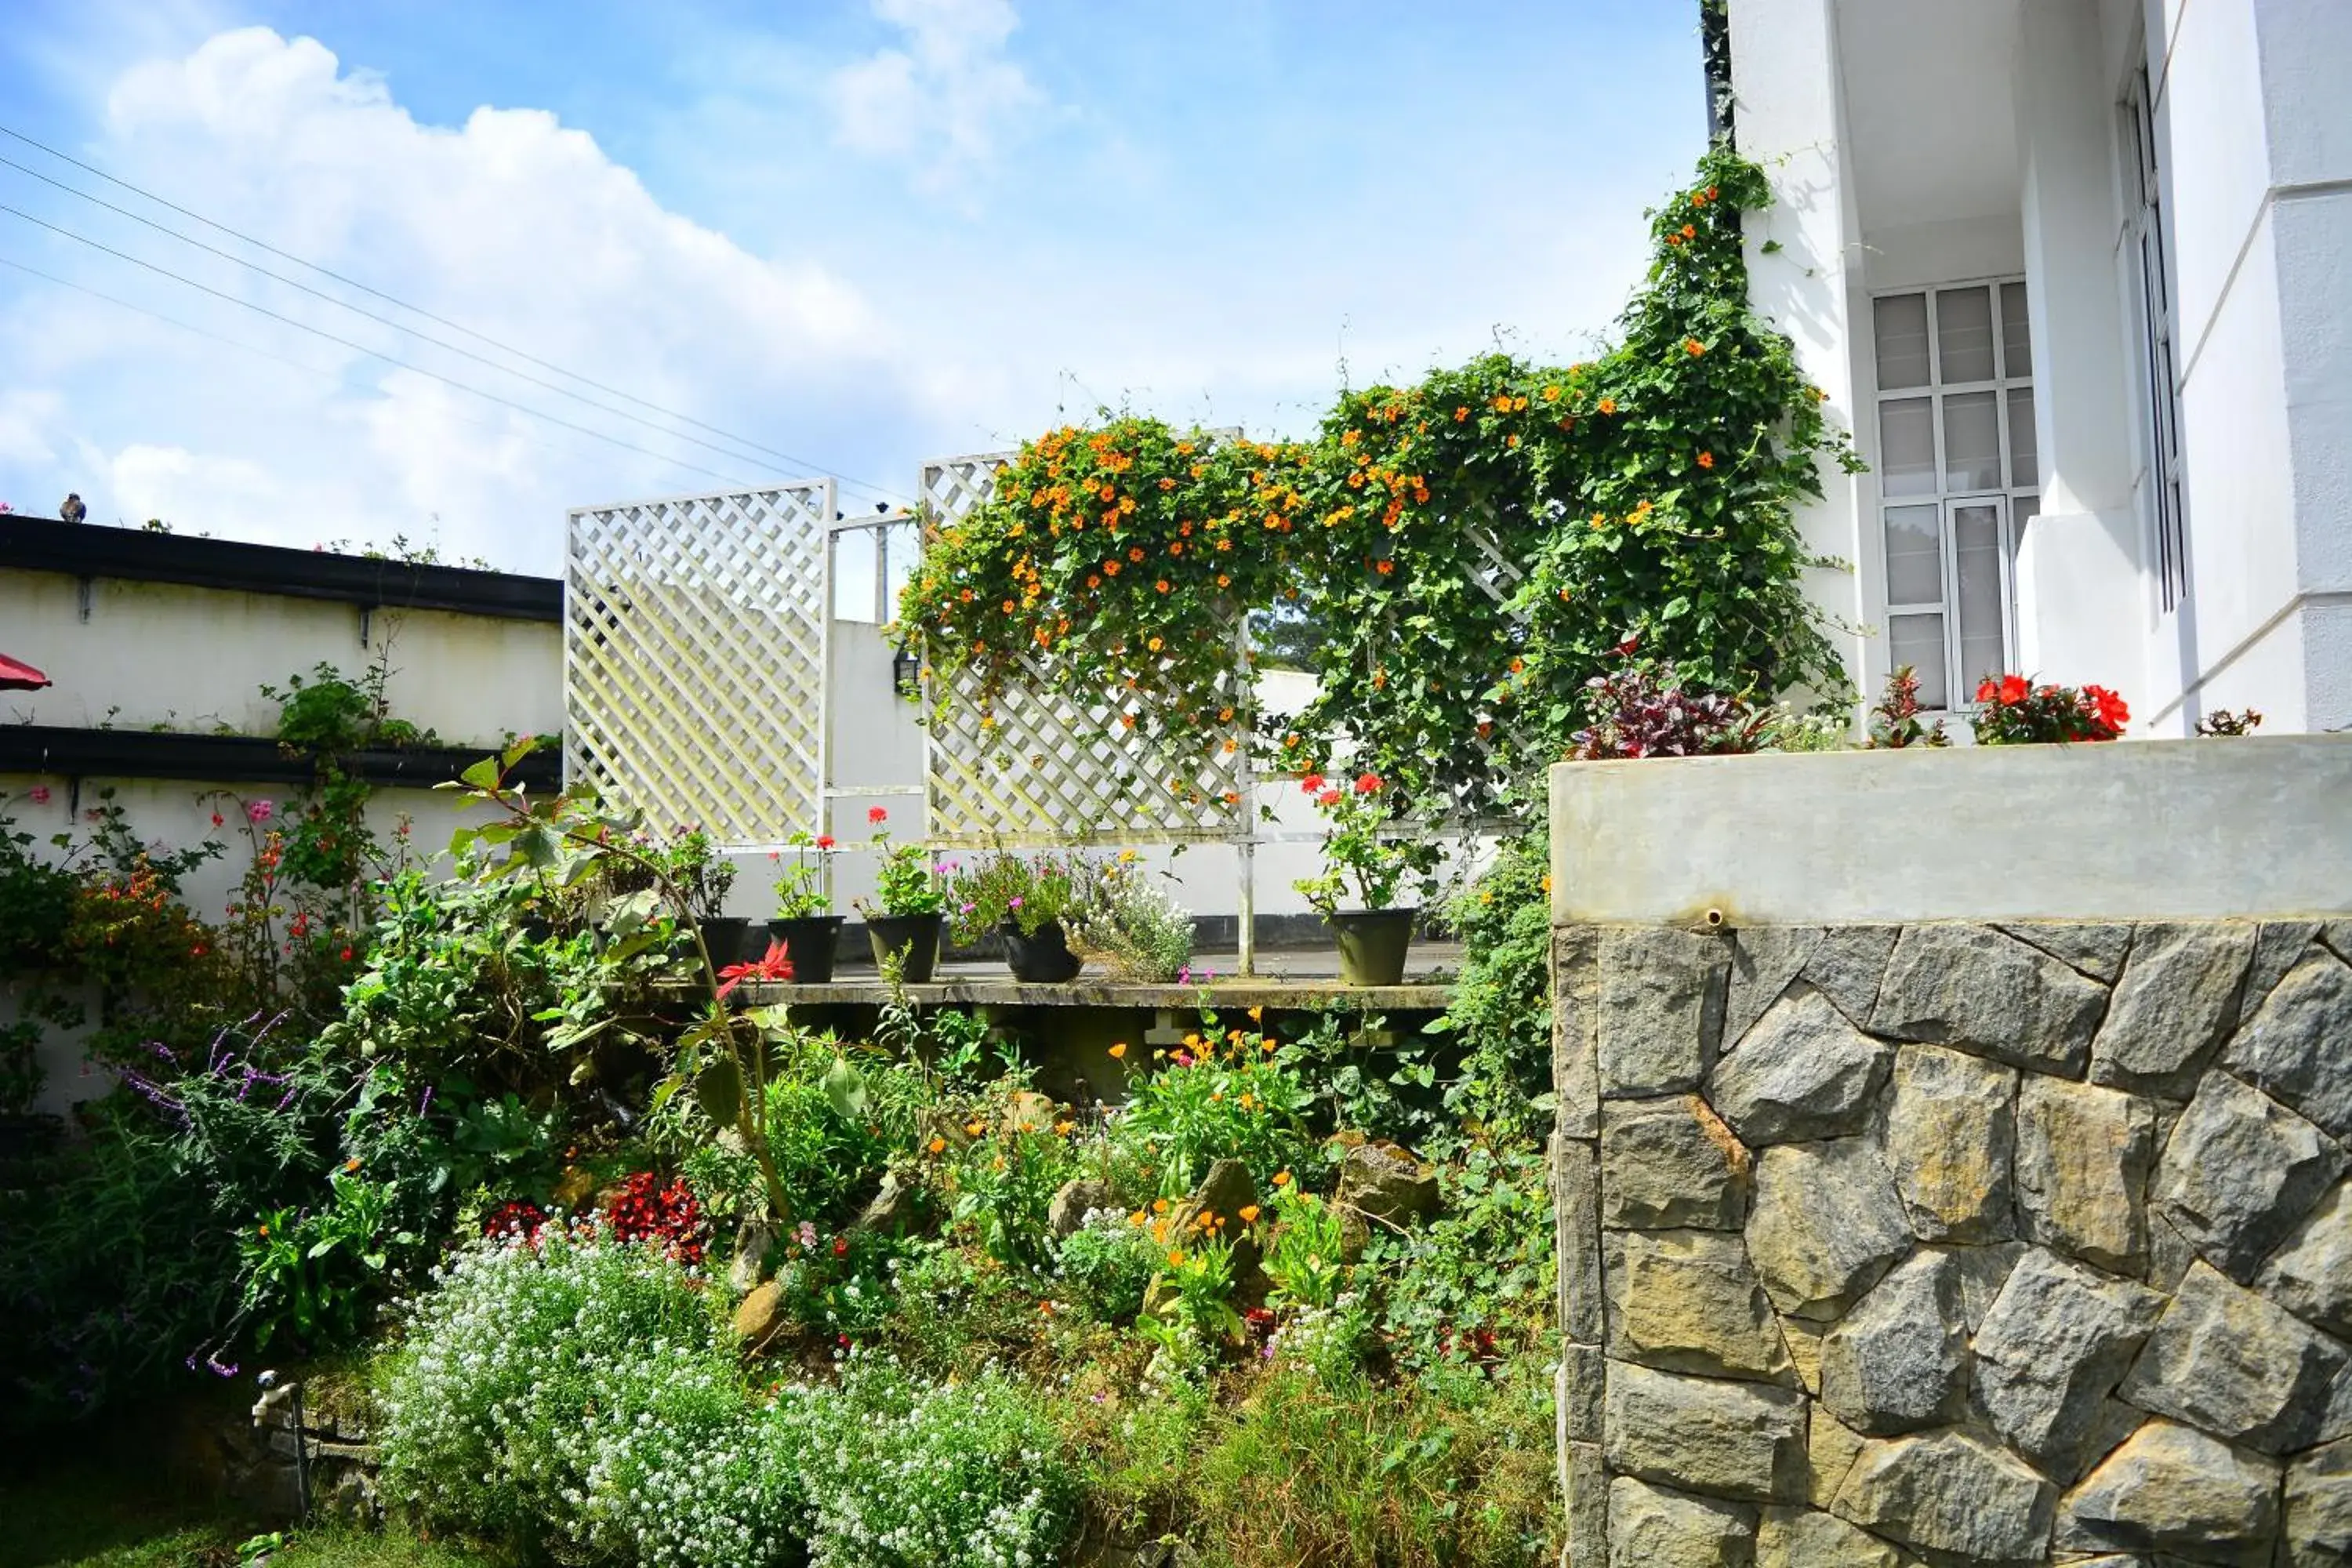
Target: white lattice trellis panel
x=694, y=662
x=1040, y=765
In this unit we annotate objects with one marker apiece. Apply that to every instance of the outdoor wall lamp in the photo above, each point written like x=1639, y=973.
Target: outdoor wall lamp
x=906, y=673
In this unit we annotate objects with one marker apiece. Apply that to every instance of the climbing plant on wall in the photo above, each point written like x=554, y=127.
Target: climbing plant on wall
x=1474, y=548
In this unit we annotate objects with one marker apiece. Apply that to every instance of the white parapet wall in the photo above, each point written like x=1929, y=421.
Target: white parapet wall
x=2149, y=830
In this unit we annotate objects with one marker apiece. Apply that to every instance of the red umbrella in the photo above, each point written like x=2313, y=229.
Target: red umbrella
x=16, y=676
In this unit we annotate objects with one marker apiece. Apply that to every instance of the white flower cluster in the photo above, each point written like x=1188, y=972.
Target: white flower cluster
x=1329, y=1341
x=584, y=1396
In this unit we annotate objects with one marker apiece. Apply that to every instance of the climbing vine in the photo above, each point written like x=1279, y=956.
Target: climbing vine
x=1472, y=549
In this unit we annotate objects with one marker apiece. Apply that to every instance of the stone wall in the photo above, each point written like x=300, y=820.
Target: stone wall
x=1956, y=1242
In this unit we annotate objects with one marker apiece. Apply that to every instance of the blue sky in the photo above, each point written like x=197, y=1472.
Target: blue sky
x=857, y=233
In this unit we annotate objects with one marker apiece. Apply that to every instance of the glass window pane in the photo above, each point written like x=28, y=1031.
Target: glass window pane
x=1906, y=430
x=1971, y=442
x=1902, y=342
x=1919, y=641
x=1976, y=554
x=1964, y=333
x=1914, y=555
x=2024, y=459
x=2016, y=334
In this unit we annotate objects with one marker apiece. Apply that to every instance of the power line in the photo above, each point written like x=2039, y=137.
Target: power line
x=801, y=463
x=319, y=371
x=375, y=353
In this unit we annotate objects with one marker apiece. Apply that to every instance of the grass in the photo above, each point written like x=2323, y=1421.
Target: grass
x=85, y=1513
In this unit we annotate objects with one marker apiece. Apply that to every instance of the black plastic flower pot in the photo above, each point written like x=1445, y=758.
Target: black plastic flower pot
x=809, y=941
x=916, y=937
x=1041, y=958
x=726, y=938
x=1372, y=945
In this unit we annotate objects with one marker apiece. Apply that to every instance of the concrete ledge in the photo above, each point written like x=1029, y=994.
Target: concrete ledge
x=2249, y=829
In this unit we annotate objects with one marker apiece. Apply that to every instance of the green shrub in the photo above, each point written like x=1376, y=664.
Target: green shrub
x=1207, y=1105
x=1108, y=1264
x=582, y=1396
x=906, y=1473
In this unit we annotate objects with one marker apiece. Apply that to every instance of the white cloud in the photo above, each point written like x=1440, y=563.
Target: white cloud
x=513, y=223
x=947, y=100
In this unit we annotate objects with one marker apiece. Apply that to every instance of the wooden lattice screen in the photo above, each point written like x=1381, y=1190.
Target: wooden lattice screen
x=694, y=657
x=1037, y=764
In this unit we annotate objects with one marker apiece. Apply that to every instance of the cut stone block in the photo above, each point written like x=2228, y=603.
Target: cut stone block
x=2239, y=1172
x=1847, y=965
x=2297, y=1047
x=2238, y=1366
x=2319, y=1507
x=1764, y=960
x=1826, y=1227
x=1805, y=1538
x=1742, y=1440
x=2097, y=950
x=1672, y=1164
x=1951, y=1492
x=1899, y=1361
x=2177, y=998
x=1801, y=1074
x=2172, y=1489
x=1651, y=1527
x=1830, y=1449
x=2050, y=1351
x=1660, y=1009
x=2311, y=1275
x=1950, y=1135
x=1688, y=1301
x=1973, y=988
x=2083, y=1157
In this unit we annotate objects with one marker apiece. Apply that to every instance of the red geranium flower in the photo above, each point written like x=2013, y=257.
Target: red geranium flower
x=1367, y=784
x=875, y=813
x=825, y=840
x=1329, y=797
x=1312, y=784
x=2110, y=707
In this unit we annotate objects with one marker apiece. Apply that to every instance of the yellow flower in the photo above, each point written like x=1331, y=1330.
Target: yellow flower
x=1282, y=1178
x=1118, y=1050
x=1258, y=1015
x=938, y=1146
x=1160, y=1206
x=973, y=1129
x=1249, y=1214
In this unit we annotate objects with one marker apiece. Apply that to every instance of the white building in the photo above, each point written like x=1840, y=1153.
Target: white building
x=2078, y=275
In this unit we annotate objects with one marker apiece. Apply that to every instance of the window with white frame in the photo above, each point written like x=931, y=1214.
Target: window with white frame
x=1960, y=478
x=2143, y=194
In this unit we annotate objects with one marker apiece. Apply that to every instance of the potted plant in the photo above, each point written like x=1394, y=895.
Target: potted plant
x=1361, y=858
x=704, y=876
x=1125, y=918
x=804, y=923
x=903, y=921
x=1022, y=899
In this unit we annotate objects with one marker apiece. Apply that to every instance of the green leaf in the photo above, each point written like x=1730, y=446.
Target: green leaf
x=720, y=1088
x=844, y=1089
x=482, y=775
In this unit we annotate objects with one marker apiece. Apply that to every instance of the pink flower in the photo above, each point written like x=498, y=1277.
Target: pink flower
x=39, y=794
x=260, y=810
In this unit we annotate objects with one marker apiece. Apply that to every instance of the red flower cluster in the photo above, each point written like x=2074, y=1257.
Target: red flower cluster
x=2012, y=711
x=645, y=1210
x=516, y=1217
x=774, y=966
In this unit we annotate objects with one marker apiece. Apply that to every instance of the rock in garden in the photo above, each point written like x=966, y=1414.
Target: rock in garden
x=1742, y=1440
x=756, y=1314
x=1847, y=964
x=1687, y=1300
x=1671, y=1165
x=2238, y=1365
x=1384, y=1181
x=1899, y=1361
x=1028, y=1111
x=1949, y=1136
x=1660, y=1009
x=1650, y=1527
x=2298, y=1045
x=1805, y=1538
x=893, y=1210
x=2097, y=950
x=1950, y=1491
x=1802, y=1073
x=2084, y=1155
x=1973, y=988
x=2240, y=1172
x=2178, y=997
x=2172, y=1489
x=2311, y=1275
x=1764, y=960
x=1073, y=1201
x=753, y=1242
x=2319, y=1507
x=1220, y=1198
x=1826, y=1225
x=2056, y=1342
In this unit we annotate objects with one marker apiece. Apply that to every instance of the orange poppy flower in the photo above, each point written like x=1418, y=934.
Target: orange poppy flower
x=1706, y=460
x=1118, y=1050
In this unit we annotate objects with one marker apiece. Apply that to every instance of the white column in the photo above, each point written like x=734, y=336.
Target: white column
x=1785, y=80
x=2082, y=593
